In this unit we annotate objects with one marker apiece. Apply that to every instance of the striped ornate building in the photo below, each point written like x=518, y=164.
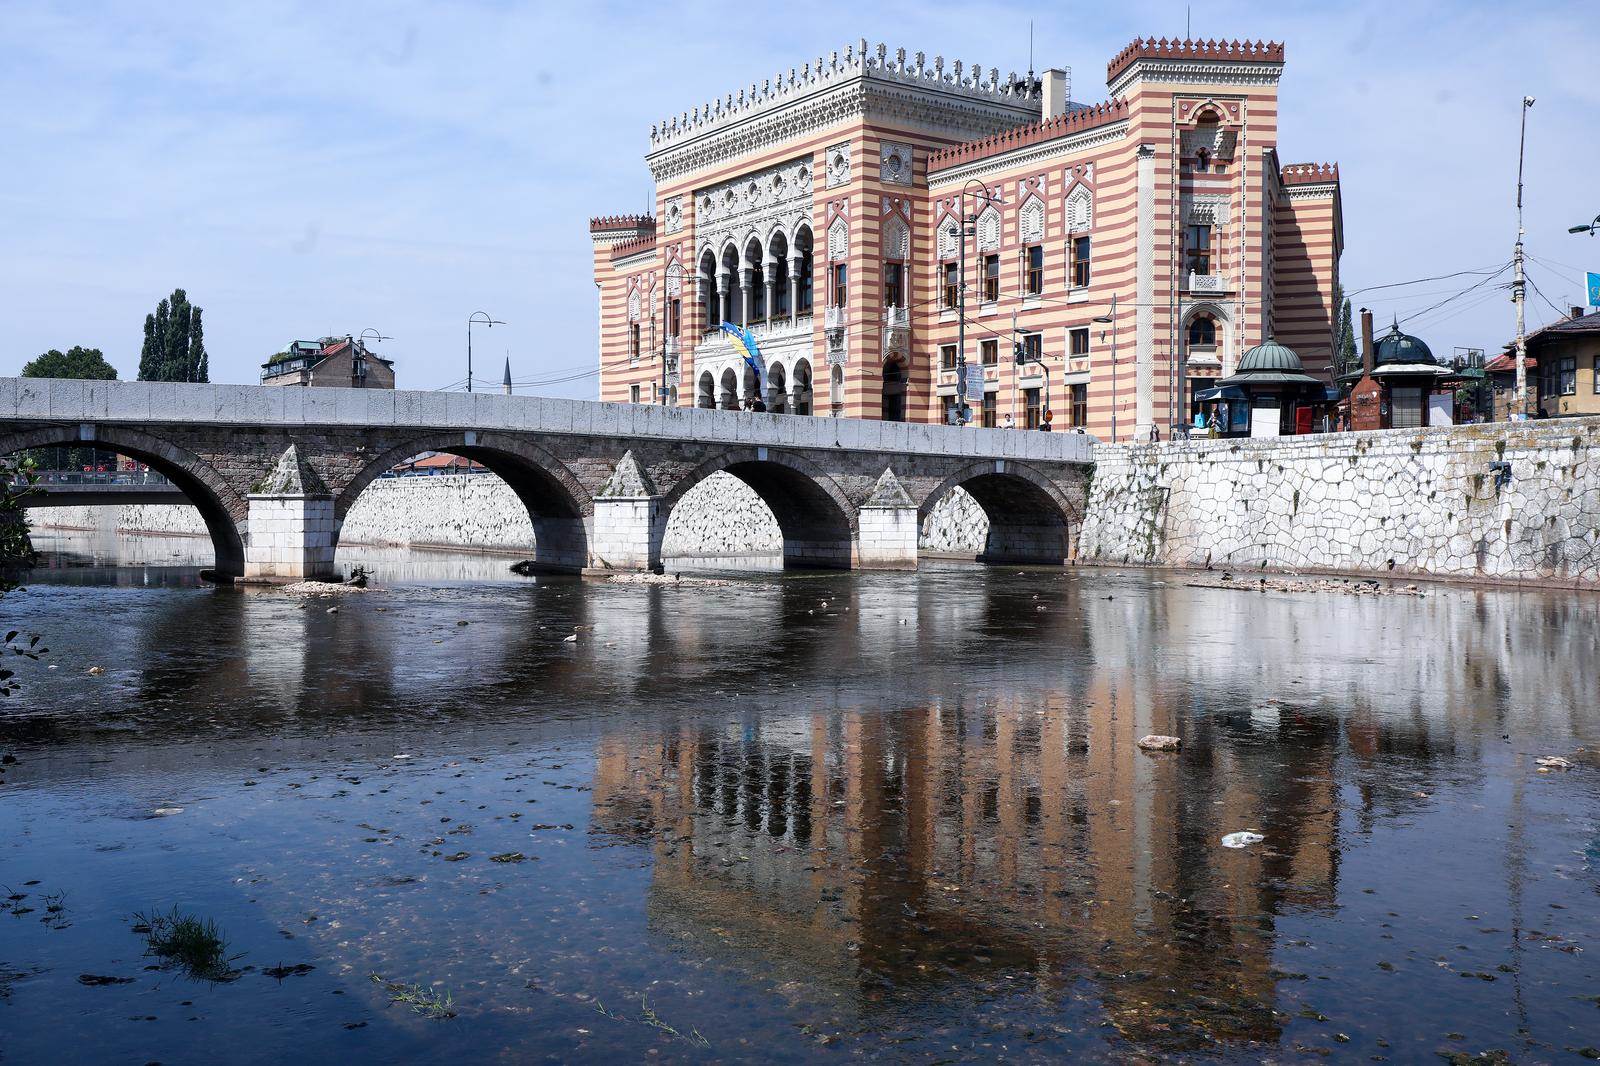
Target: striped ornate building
x=846, y=210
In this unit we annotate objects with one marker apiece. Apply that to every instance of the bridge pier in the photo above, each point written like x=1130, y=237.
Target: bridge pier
x=291, y=538
x=293, y=528
x=627, y=533
x=887, y=527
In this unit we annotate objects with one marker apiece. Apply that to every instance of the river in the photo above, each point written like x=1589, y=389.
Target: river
x=794, y=817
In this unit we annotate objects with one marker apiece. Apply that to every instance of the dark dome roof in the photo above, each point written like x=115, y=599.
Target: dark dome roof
x=1270, y=356
x=1397, y=347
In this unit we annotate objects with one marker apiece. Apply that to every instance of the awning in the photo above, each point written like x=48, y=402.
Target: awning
x=1226, y=392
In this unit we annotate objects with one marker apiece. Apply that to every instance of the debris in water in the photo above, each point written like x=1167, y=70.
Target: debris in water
x=1242, y=839
x=1157, y=742
x=96, y=671
x=1553, y=762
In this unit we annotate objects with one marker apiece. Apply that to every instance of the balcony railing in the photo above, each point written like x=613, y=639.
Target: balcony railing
x=835, y=317
x=897, y=317
x=1209, y=284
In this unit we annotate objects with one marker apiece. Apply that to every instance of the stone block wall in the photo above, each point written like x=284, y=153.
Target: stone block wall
x=1426, y=502
x=720, y=518
x=291, y=538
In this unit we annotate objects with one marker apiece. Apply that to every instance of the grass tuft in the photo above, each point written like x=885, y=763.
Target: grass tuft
x=420, y=998
x=193, y=944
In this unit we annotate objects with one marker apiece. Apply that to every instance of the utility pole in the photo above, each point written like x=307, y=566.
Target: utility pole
x=1518, y=283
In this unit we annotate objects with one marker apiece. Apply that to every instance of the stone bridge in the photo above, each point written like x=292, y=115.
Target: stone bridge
x=273, y=471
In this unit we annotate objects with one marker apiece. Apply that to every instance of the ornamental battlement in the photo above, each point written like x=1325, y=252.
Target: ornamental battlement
x=606, y=223
x=971, y=82
x=1074, y=121
x=1310, y=173
x=1211, y=51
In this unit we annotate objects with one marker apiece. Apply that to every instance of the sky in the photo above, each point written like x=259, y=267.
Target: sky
x=310, y=169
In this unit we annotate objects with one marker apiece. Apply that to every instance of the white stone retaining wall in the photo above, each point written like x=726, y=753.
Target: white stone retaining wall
x=722, y=517
x=1394, y=501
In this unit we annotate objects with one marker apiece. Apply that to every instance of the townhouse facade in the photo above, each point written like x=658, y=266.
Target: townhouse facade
x=878, y=222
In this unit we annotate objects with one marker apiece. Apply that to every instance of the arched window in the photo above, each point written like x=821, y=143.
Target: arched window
x=728, y=280
x=755, y=281
x=894, y=391
x=778, y=274
x=1202, y=331
x=896, y=254
x=707, y=394
x=802, y=387
x=803, y=288
x=708, y=290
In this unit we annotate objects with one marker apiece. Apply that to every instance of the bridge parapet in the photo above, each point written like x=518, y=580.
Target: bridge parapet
x=179, y=403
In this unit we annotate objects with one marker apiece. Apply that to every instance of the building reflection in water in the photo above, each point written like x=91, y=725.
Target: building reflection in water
x=961, y=848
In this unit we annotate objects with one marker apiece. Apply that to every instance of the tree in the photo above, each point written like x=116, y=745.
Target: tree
x=16, y=552
x=174, y=342
x=76, y=362
x=1345, y=356
x=83, y=364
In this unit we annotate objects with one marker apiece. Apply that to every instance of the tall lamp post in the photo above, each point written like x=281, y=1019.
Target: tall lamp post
x=478, y=318
x=357, y=357
x=969, y=226
x=1518, y=286
x=1111, y=319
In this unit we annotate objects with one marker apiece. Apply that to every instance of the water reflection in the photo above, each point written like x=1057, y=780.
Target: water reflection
x=902, y=813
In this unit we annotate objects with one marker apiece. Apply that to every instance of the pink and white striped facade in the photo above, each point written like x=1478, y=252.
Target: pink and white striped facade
x=1133, y=248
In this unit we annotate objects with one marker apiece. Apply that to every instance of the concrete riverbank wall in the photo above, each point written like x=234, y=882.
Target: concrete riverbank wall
x=1518, y=502
x=722, y=518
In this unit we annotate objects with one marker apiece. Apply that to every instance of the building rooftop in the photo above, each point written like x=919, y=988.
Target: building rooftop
x=1082, y=117
x=810, y=78
x=1216, y=51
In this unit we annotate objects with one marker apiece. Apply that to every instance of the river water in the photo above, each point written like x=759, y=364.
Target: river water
x=796, y=817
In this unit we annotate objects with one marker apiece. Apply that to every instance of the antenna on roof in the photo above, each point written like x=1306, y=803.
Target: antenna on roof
x=1030, y=50
x=1186, y=34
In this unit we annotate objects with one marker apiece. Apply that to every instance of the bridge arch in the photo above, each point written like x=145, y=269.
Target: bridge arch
x=557, y=503
x=224, y=510
x=1031, y=518
x=814, y=515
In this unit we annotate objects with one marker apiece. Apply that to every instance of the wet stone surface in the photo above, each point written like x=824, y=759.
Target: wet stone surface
x=797, y=818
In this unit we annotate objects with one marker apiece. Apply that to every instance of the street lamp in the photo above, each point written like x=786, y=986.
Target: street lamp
x=969, y=226
x=476, y=320
x=1111, y=319
x=1590, y=228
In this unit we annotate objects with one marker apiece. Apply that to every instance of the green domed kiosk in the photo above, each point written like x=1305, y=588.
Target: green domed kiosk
x=1268, y=395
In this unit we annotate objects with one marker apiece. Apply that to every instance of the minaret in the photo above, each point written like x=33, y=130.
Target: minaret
x=506, y=383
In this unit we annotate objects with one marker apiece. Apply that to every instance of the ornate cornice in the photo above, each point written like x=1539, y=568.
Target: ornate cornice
x=1041, y=154
x=1194, y=72
x=859, y=98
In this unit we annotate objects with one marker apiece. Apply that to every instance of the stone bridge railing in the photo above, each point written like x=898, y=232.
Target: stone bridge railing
x=273, y=470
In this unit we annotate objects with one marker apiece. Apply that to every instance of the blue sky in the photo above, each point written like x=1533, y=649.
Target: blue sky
x=304, y=169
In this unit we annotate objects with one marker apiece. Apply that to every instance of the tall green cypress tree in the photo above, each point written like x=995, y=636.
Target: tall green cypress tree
x=199, y=363
x=1344, y=347
x=174, y=343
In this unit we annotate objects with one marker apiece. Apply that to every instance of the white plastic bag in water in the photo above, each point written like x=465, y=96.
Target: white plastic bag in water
x=1242, y=839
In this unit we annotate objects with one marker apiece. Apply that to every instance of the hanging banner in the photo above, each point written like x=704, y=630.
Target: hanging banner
x=1594, y=289
x=975, y=384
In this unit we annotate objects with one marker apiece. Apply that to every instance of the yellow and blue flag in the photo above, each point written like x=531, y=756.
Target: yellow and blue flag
x=752, y=354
